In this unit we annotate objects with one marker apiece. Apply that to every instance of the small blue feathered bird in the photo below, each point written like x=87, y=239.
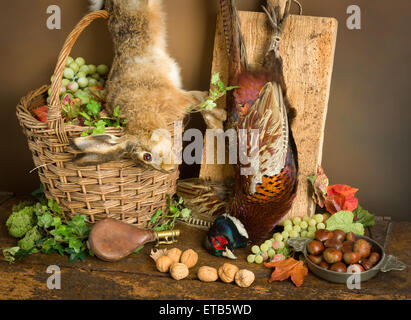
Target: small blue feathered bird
x=226, y=234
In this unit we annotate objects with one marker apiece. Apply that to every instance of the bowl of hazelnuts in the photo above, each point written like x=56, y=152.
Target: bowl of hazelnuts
x=336, y=255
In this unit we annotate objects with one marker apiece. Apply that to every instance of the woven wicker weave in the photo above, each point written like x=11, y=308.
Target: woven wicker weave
x=119, y=190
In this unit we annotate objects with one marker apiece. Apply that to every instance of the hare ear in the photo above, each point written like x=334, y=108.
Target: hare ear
x=93, y=150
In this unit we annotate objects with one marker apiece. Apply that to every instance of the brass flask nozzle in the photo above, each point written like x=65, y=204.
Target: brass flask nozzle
x=167, y=237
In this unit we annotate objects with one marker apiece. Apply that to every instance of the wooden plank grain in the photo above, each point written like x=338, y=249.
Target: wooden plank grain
x=307, y=48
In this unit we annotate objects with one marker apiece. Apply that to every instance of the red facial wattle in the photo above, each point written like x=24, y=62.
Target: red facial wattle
x=219, y=243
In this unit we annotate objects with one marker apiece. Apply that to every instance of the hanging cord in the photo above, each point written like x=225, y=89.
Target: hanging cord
x=277, y=22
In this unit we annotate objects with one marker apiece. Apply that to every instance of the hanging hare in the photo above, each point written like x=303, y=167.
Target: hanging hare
x=144, y=82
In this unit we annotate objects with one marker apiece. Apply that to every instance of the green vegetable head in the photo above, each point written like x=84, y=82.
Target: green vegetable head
x=30, y=239
x=20, y=222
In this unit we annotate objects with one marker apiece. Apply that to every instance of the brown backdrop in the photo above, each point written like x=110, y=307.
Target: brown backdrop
x=366, y=142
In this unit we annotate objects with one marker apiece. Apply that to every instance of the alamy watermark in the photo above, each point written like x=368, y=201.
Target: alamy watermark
x=54, y=281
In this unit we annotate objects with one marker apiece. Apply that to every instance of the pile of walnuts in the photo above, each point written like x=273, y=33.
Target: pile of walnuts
x=178, y=263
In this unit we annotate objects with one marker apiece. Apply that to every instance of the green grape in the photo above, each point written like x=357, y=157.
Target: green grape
x=271, y=253
x=70, y=60
x=306, y=218
x=251, y=258
x=69, y=73
x=312, y=229
x=102, y=69
x=319, y=218
x=96, y=76
x=294, y=234
x=287, y=222
x=81, y=74
x=75, y=67
x=83, y=82
x=92, y=68
x=304, y=225
x=264, y=247
x=63, y=90
x=101, y=82
x=269, y=243
x=296, y=221
x=278, y=237
x=297, y=228
x=92, y=82
x=259, y=259
x=288, y=228
x=311, y=234
x=285, y=235
x=320, y=226
x=52, y=78
x=80, y=61
x=73, y=86
x=49, y=91
x=303, y=234
x=255, y=249
x=312, y=223
x=85, y=69
x=65, y=82
x=282, y=244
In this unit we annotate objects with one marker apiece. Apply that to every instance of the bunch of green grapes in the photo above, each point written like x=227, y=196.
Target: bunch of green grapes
x=304, y=227
x=78, y=75
x=298, y=227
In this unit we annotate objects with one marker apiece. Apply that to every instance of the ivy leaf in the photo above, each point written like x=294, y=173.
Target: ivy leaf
x=344, y=220
x=221, y=86
x=156, y=215
x=215, y=78
x=86, y=116
x=117, y=112
x=100, y=128
x=209, y=104
x=173, y=210
x=364, y=217
x=93, y=108
x=45, y=220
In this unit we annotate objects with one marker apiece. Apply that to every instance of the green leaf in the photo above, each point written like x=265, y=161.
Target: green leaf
x=45, y=220
x=364, y=217
x=117, y=112
x=209, y=105
x=232, y=88
x=185, y=213
x=344, y=220
x=10, y=253
x=100, y=128
x=156, y=215
x=86, y=116
x=139, y=249
x=221, y=86
x=215, y=78
x=93, y=108
x=173, y=210
x=75, y=244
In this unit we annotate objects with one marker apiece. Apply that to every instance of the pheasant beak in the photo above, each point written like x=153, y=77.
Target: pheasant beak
x=229, y=254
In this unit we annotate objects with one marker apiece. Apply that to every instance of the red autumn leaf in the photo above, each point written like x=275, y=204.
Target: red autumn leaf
x=341, y=197
x=41, y=113
x=288, y=268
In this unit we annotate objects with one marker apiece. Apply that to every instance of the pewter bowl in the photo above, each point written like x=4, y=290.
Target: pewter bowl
x=386, y=263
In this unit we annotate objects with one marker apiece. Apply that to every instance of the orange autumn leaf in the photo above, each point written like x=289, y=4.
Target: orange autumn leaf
x=288, y=268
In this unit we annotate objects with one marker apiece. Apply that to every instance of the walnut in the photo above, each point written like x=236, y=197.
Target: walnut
x=207, y=274
x=158, y=253
x=163, y=263
x=189, y=258
x=174, y=254
x=227, y=272
x=244, y=278
x=179, y=271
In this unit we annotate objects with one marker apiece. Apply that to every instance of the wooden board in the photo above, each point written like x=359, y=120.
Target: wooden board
x=307, y=48
x=136, y=276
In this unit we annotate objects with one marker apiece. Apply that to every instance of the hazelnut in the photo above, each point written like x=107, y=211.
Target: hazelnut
x=227, y=272
x=174, y=254
x=244, y=278
x=189, y=258
x=163, y=263
x=178, y=271
x=207, y=274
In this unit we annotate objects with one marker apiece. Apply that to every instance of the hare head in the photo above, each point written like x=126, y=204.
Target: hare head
x=153, y=152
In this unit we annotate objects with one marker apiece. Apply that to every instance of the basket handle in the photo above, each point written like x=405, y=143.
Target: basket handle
x=54, y=117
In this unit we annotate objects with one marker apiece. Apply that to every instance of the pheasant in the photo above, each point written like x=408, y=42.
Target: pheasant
x=264, y=195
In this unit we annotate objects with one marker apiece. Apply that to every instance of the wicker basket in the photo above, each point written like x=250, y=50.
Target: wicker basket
x=119, y=190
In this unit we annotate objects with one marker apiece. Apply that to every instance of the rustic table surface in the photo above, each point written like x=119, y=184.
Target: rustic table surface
x=137, y=278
